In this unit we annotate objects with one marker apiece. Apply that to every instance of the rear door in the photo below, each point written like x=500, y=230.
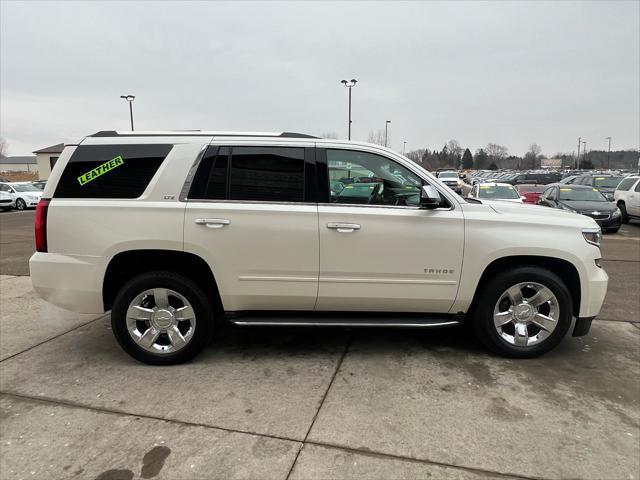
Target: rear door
x=251, y=215
x=378, y=250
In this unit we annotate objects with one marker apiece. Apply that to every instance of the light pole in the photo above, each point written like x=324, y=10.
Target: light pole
x=130, y=99
x=608, y=153
x=584, y=150
x=349, y=85
x=578, y=157
x=386, y=131
x=404, y=144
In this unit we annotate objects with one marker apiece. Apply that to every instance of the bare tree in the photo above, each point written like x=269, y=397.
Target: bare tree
x=331, y=135
x=533, y=156
x=497, y=153
x=455, y=150
x=416, y=155
x=377, y=137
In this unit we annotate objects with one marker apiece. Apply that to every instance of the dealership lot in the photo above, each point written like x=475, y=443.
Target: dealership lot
x=315, y=404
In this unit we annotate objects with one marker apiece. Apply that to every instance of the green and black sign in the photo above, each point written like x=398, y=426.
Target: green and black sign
x=100, y=170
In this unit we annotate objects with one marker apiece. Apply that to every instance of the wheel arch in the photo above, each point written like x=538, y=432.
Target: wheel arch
x=128, y=264
x=563, y=268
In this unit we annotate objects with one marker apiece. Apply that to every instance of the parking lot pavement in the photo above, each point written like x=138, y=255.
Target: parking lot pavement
x=17, y=241
x=79, y=443
x=320, y=404
x=28, y=320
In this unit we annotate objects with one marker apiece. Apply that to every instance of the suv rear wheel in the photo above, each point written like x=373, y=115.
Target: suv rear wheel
x=162, y=318
x=523, y=313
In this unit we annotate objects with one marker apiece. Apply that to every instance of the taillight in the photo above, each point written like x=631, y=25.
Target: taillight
x=41, y=225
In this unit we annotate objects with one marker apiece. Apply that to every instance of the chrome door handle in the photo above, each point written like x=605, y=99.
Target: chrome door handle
x=343, y=227
x=212, y=222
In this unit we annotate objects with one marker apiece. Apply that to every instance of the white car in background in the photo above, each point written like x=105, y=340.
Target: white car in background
x=627, y=198
x=24, y=194
x=6, y=201
x=495, y=191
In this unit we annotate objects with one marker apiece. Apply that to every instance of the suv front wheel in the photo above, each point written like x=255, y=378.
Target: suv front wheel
x=523, y=313
x=162, y=318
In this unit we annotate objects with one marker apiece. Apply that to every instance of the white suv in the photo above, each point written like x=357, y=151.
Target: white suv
x=627, y=198
x=173, y=232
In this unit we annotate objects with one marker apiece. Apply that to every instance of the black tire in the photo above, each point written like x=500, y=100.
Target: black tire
x=491, y=292
x=21, y=204
x=623, y=211
x=204, y=327
x=612, y=230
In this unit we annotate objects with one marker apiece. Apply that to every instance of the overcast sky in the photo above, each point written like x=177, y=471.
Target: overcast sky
x=507, y=72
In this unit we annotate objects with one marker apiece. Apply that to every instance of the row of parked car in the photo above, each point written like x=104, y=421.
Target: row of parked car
x=20, y=195
x=610, y=198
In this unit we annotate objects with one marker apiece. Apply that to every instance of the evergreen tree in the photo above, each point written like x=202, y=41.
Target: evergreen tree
x=467, y=159
x=493, y=166
x=481, y=159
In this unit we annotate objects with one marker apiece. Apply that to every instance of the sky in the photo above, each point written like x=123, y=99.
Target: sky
x=511, y=73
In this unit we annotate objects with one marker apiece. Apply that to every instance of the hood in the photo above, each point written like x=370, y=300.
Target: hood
x=592, y=206
x=528, y=213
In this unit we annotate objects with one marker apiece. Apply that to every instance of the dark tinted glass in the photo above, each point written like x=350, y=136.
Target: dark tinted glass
x=267, y=174
x=210, y=182
x=110, y=171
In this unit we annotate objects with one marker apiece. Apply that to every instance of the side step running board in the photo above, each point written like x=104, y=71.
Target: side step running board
x=338, y=320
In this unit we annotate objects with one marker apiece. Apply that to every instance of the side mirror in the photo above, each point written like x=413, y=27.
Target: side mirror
x=429, y=197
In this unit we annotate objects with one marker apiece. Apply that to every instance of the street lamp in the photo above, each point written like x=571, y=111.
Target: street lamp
x=349, y=85
x=386, y=131
x=584, y=150
x=404, y=144
x=130, y=99
x=609, y=153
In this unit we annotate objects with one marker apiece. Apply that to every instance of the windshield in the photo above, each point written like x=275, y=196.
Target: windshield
x=27, y=187
x=447, y=175
x=497, y=191
x=581, y=195
x=607, y=182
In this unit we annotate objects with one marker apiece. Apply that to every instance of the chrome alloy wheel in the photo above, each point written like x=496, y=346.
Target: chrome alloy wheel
x=161, y=321
x=526, y=314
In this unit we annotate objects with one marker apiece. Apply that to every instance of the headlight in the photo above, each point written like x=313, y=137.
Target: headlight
x=593, y=236
x=616, y=213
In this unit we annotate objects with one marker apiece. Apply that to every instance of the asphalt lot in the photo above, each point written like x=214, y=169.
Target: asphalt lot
x=315, y=404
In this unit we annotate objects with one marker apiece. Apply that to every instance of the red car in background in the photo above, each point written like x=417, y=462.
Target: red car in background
x=530, y=193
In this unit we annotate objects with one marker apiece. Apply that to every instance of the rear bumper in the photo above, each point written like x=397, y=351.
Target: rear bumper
x=70, y=282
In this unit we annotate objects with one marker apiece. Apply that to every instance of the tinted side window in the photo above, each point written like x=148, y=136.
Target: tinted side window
x=210, y=181
x=626, y=184
x=365, y=178
x=110, y=171
x=267, y=174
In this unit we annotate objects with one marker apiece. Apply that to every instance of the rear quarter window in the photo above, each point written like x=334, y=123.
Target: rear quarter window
x=626, y=184
x=110, y=171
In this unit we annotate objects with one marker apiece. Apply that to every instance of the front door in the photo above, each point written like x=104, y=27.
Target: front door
x=248, y=216
x=378, y=250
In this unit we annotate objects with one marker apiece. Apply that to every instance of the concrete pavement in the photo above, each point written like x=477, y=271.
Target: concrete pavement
x=320, y=404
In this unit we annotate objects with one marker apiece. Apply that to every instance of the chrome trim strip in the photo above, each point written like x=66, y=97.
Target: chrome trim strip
x=345, y=324
x=274, y=278
x=387, y=281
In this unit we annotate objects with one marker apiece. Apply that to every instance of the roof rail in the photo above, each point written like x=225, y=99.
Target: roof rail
x=114, y=133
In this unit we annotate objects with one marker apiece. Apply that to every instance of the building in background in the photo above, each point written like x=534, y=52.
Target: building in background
x=18, y=164
x=47, y=158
